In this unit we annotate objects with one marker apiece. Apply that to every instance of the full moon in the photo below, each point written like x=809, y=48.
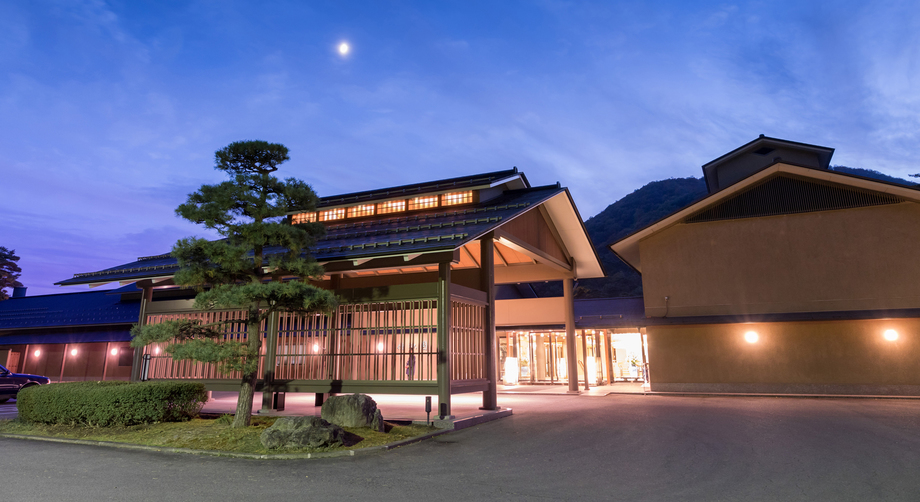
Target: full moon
x=344, y=48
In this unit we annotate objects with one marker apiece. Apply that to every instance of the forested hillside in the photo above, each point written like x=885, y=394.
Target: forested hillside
x=640, y=209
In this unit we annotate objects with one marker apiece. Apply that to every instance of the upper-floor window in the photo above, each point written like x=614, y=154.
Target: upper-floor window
x=391, y=206
x=332, y=214
x=423, y=202
x=450, y=199
x=362, y=210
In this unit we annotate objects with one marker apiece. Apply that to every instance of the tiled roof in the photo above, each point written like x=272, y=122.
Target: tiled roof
x=422, y=232
x=71, y=309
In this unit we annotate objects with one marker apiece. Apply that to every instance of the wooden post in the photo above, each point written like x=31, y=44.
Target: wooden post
x=584, y=356
x=268, y=366
x=146, y=297
x=571, y=356
x=487, y=280
x=444, y=307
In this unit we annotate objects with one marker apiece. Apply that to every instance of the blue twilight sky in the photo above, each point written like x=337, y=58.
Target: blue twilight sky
x=110, y=111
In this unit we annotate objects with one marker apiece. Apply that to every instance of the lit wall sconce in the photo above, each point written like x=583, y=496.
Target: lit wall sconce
x=156, y=350
x=380, y=347
x=114, y=352
x=73, y=352
x=37, y=353
x=315, y=347
x=890, y=335
x=751, y=337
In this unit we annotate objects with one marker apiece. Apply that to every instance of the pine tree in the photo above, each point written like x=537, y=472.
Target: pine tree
x=262, y=264
x=9, y=271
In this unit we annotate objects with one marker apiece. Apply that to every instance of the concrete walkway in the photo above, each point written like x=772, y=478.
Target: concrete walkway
x=618, y=447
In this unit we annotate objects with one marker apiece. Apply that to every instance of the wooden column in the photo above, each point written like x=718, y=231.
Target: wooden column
x=487, y=279
x=268, y=366
x=584, y=356
x=146, y=297
x=571, y=354
x=444, y=307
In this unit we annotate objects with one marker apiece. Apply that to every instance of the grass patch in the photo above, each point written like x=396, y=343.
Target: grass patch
x=206, y=434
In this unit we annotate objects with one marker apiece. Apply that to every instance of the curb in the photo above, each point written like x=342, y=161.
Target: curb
x=359, y=452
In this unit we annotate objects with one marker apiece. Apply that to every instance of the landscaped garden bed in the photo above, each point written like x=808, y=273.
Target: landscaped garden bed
x=208, y=433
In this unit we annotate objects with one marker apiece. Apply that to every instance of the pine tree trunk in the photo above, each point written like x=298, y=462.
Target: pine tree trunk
x=248, y=384
x=244, y=403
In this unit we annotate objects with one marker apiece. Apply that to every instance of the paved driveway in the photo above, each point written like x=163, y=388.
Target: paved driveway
x=554, y=447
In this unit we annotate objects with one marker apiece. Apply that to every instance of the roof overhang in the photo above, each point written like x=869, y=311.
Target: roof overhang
x=627, y=248
x=568, y=223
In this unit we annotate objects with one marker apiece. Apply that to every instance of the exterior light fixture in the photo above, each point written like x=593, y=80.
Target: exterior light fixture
x=751, y=337
x=156, y=350
x=380, y=347
x=114, y=352
x=890, y=335
x=315, y=347
x=37, y=353
x=73, y=352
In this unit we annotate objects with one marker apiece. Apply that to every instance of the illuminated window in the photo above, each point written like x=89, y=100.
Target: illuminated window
x=391, y=206
x=363, y=210
x=423, y=202
x=303, y=218
x=332, y=214
x=450, y=199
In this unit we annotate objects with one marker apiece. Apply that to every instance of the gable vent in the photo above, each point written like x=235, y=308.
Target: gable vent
x=784, y=195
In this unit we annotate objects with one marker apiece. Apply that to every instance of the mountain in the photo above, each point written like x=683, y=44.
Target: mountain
x=633, y=212
x=869, y=173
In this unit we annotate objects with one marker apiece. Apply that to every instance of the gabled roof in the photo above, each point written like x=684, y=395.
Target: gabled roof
x=68, y=309
x=760, y=153
x=627, y=248
x=434, y=231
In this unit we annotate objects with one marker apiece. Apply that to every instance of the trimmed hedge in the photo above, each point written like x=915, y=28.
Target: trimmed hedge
x=111, y=403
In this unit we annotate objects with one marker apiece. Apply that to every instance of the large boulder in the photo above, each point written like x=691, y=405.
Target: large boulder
x=302, y=432
x=354, y=410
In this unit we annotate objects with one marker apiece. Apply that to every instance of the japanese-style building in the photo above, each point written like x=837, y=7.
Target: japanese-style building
x=396, y=257
x=788, y=278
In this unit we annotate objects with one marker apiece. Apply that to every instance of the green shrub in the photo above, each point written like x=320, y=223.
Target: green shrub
x=104, y=404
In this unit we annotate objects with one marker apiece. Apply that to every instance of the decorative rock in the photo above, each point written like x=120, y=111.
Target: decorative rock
x=354, y=410
x=302, y=432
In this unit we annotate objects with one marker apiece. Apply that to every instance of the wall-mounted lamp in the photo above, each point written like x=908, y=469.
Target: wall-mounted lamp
x=114, y=352
x=37, y=353
x=315, y=347
x=73, y=352
x=380, y=347
x=751, y=337
x=890, y=335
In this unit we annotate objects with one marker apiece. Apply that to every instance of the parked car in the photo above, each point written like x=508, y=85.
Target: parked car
x=11, y=383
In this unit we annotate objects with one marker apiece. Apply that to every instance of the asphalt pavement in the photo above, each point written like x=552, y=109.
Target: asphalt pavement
x=617, y=447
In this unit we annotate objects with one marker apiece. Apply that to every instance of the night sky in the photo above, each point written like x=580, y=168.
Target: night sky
x=110, y=112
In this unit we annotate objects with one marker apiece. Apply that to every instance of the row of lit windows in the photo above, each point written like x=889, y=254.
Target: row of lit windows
x=390, y=206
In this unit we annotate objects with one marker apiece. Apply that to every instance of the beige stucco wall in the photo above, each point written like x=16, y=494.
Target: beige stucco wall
x=855, y=259
x=817, y=357
x=530, y=311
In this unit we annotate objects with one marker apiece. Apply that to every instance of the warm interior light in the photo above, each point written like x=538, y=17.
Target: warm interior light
x=114, y=352
x=380, y=346
x=37, y=353
x=891, y=335
x=511, y=371
x=315, y=347
x=751, y=337
x=73, y=352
